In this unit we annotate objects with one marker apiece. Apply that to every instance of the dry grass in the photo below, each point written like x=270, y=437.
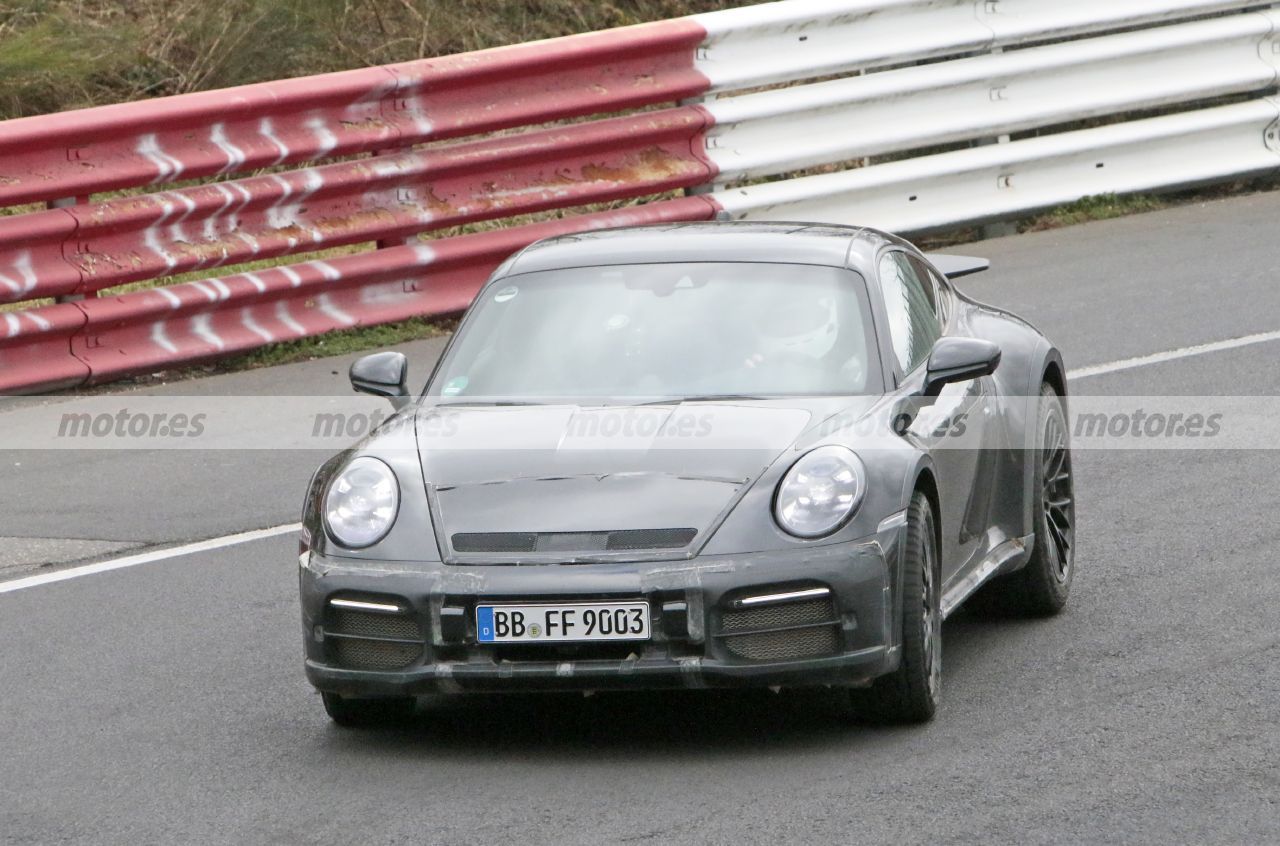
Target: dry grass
x=64, y=54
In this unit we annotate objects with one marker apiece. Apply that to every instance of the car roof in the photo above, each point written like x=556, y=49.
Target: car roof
x=782, y=242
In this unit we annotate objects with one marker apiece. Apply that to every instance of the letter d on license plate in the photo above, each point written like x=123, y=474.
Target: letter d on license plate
x=562, y=623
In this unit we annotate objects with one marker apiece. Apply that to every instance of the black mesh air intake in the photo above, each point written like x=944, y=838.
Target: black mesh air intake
x=650, y=538
x=370, y=640
x=777, y=646
x=614, y=541
x=790, y=630
x=495, y=542
x=357, y=654
x=349, y=621
x=778, y=616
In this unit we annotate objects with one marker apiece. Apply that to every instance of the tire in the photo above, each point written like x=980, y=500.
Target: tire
x=1041, y=587
x=910, y=693
x=362, y=713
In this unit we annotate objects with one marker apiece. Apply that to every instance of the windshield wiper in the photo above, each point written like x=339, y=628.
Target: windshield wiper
x=701, y=398
x=676, y=400
x=455, y=403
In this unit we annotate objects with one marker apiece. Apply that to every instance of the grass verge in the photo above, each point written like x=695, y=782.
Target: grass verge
x=1102, y=207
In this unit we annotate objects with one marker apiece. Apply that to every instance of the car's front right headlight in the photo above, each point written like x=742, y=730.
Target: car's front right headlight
x=820, y=491
x=361, y=503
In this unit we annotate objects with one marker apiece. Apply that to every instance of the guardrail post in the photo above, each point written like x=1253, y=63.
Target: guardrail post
x=384, y=243
x=62, y=203
x=999, y=228
x=713, y=186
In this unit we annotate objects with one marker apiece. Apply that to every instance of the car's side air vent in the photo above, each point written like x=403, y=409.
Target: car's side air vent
x=616, y=541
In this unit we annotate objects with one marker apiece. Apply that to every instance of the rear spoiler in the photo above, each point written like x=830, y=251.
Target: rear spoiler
x=953, y=267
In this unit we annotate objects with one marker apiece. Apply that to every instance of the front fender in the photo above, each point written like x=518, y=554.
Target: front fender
x=1024, y=422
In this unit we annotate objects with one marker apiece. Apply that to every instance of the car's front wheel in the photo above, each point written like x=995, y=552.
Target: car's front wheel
x=910, y=693
x=1046, y=580
x=350, y=712
x=1041, y=587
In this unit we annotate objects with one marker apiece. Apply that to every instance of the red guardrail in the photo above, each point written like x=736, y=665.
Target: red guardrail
x=301, y=120
x=131, y=238
x=78, y=249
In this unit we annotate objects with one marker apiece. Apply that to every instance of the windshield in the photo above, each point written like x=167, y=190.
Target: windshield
x=665, y=331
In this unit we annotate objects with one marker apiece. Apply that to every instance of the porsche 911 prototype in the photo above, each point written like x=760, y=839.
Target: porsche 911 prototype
x=693, y=456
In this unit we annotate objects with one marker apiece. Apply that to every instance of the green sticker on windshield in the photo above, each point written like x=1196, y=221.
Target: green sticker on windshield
x=455, y=386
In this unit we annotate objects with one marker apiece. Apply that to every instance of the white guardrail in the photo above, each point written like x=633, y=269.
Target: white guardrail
x=937, y=73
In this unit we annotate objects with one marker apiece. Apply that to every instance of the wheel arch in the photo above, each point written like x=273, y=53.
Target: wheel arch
x=1053, y=373
x=928, y=485
x=920, y=478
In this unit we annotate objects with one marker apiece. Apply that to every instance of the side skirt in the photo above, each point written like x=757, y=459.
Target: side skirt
x=1005, y=558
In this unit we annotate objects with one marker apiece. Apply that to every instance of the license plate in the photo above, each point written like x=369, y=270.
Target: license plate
x=562, y=623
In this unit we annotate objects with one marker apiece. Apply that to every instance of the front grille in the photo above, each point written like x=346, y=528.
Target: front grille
x=780, y=616
x=614, y=541
x=794, y=643
x=365, y=640
x=790, y=630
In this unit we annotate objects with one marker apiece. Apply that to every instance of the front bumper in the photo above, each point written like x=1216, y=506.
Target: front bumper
x=700, y=635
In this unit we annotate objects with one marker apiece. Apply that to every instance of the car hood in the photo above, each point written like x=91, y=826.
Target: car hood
x=567, y=480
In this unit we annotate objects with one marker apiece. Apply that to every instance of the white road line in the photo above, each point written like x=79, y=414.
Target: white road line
x=1172, y=355
x=147, y=557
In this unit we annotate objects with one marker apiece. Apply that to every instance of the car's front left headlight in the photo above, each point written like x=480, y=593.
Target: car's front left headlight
x=820, y=491
x=361, y=503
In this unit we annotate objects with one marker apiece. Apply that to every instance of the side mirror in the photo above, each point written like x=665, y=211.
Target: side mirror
x=959, y=360
x=384, y=374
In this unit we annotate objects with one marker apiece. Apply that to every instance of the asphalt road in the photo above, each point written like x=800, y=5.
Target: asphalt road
x=165, y=703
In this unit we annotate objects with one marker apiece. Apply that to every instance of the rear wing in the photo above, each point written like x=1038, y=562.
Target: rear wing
x=953, y=267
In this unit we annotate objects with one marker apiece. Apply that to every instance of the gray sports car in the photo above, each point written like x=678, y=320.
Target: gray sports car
x=694, y=455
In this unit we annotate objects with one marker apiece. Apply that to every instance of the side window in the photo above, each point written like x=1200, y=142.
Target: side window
x=909, y=304
x=937, y=290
